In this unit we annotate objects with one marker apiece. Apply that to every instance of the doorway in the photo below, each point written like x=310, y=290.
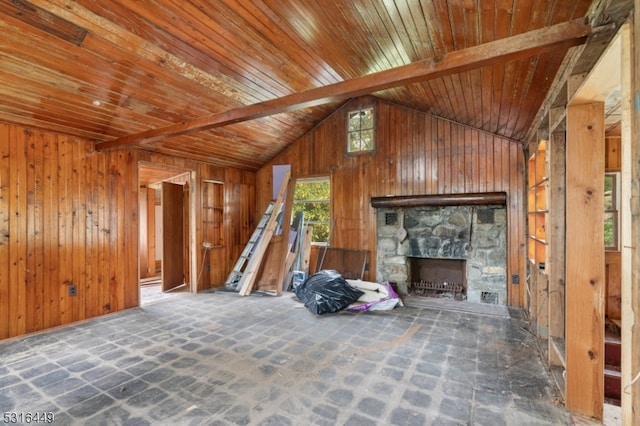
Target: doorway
x=165, y=232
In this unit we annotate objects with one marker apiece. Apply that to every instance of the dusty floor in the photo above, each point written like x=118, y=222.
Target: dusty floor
x=151, y=292
x=218, y=358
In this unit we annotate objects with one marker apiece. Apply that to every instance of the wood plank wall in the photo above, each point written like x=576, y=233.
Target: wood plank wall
x=147, y=246
x=69, y=216
x=416, y=154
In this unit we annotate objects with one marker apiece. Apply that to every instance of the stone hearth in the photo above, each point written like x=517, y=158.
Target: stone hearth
x=476, y=234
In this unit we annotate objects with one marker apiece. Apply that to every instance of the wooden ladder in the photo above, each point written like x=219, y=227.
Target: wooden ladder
x=254, y=251
x=236, y=273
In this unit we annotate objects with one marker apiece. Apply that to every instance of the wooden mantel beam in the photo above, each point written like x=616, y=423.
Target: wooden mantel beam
x=472, y=199
x=560, y=36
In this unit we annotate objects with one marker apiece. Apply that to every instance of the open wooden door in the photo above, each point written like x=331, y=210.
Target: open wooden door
x=172, y=236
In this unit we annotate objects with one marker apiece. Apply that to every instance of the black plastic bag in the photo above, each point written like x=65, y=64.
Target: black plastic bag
x=326, y=291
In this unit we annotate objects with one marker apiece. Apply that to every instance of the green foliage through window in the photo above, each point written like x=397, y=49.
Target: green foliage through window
x=611, y=211
x=313, y=197
x=360, y=130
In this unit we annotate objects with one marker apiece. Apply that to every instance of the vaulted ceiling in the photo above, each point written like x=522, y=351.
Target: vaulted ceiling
x=111, y=70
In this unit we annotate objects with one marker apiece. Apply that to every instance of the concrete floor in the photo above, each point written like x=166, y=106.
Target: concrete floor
x=152, y=293
x=221, y=359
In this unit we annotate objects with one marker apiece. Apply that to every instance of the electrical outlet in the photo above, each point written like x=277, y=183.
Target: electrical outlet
x=73, y=290
x=515, y=279
x=208, y=268
x=207, y=245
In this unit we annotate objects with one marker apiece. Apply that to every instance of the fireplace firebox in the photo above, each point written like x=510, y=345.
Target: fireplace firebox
x=438, y=277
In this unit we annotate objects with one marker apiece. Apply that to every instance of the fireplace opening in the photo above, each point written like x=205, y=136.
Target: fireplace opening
x=444, y=278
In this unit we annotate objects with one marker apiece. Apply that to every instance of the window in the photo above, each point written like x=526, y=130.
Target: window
x=360, y=130
x=611, y=216
x=312, y=197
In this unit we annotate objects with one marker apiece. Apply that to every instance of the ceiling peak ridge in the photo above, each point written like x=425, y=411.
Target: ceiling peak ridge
x=559, y=36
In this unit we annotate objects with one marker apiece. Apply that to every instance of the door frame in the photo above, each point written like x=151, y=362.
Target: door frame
x=166, y=173
x=174, y=240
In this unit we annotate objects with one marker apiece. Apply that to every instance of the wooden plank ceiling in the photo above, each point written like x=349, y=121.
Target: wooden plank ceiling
x=112, y=69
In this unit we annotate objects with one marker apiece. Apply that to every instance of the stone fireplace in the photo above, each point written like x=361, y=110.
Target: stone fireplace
x=455, y=251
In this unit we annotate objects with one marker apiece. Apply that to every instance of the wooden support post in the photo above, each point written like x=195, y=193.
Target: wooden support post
x=537, y=213
x=542, y=314
x=556, y=239
x=532, y=285
x=585, y=260
x=630, y=220
x=542, y=205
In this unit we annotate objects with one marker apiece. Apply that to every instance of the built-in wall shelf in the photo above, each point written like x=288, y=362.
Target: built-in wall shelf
x=212, y=211
x=537, y=210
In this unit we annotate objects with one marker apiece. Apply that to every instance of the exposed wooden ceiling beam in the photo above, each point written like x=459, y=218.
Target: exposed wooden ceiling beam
x=521, y=46
x=44, y=21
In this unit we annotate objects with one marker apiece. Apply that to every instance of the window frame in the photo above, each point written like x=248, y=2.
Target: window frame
x=321, y=178
x=614, y=211
x=360, y=130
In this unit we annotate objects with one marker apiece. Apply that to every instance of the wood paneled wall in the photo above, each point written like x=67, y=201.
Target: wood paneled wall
x=147, y=246
x=416, y=154
x=69, y=216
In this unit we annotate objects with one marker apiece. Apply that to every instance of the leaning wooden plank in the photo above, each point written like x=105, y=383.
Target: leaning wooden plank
x=271, y=264
x=305, y=249
x=271, y=274
x=273, y=269
x=288, y=268
x=249, y=276
x=294, y=251
x=286, y=228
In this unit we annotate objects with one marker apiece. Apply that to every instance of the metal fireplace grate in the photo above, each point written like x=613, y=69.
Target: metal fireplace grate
x=489, y=297
x=424, y=288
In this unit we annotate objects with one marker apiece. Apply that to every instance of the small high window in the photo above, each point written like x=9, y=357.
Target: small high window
x=360, y=130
